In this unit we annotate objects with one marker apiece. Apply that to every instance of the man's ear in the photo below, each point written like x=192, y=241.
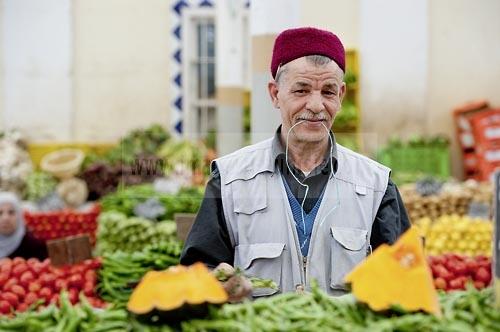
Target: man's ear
x=272, y=88
x=343, y=90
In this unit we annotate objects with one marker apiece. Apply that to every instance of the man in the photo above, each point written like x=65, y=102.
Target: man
x=298, y=206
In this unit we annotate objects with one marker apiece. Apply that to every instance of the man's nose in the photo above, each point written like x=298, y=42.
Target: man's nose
x=315, y=103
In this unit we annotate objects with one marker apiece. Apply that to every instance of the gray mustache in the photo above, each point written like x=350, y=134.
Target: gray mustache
x=312, y=116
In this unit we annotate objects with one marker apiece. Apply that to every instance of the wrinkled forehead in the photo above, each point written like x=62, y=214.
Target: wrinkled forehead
x=305, y=69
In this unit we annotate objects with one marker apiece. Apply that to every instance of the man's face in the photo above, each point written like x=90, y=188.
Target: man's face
x=8, y=219
x=308, y=92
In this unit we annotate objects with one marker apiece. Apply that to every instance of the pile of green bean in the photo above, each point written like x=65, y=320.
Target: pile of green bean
x=470, y=310
x=67, y=318
x=121, y=271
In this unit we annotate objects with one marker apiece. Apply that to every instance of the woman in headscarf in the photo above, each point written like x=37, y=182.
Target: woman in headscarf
x=15, y=239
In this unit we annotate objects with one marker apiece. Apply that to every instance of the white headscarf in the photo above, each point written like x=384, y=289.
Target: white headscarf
x=9, y=243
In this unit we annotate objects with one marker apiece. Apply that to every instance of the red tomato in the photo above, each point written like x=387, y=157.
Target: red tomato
x=483, y=274
x=77, y=269
x=26, y=278
x=32, y=261
x=9, y=283
x=6, y=267
x=54, y=299
x=442, y=272
x=11, y=298
x=46, y=262
x=18, y=260
x=481, y=258
x=440, y=283
x=4, y=276
x=37, y=268
x=485, y=264
x=90, y=275
x=479, y=284
x=19, y=269
x=459, y=269
x=47, y=279
x=5, y=307
x=19, y=291
x=471, y=265
x=59, y=272
x=439, y=260
x=96, y=263
x=88, y=263
x=30, y=298
x=60, y=284
x=22, y=307
x=76, y=281
x=45, y=293
x=73, y=295
x=455, y=284
x=88, y=288
x=34, y=286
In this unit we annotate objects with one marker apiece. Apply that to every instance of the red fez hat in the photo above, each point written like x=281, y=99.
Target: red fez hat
x=292, y=44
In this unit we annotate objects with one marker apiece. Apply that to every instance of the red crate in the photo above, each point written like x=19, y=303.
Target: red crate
x=465, y=136
x=486, y=126
x=488, y=157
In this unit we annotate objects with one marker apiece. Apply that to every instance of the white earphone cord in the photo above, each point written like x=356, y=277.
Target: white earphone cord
x=305, y=185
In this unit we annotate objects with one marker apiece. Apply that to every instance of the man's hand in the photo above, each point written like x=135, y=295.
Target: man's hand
x=237, y=286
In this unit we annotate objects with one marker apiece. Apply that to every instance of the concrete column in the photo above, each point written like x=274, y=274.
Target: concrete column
x=229, y=77
x=267, y=20
x=394, y=49
x=37, y=58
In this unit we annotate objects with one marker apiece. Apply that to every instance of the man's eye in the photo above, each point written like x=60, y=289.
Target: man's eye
x=330, y=93
x=300, y=91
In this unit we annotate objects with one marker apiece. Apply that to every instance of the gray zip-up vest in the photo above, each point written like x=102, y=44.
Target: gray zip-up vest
x=262, y=229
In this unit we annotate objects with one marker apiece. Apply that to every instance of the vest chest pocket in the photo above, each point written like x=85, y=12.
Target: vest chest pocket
x=250, y=195
x=348, y=249
x=262, y=260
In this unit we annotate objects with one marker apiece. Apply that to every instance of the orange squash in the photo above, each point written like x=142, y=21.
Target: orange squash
x=396, y=275
x=176, y=293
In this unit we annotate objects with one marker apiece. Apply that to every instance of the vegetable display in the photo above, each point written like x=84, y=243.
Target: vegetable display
x=38, y=185
x=177, y=293
x=118, y=232
x=454, y=234
x=452, y=272
x=27, y=282
x=15, y=163
x=187, y=200
x=121, y=271
x=133, y=161
x=137, y=142
x=470, y=310
x=68, y=318
x=186, y=153
x=395, y=268
x=453, y=198
x=58, y=224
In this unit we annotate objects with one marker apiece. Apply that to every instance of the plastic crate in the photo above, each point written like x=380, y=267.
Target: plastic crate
x=409, y=163
x=486, y=126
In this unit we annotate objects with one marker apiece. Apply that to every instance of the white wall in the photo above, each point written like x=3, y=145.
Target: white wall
x=2, y=71
x=37, y=54
x=464, y=61
x=339, y=16
x=121, y=65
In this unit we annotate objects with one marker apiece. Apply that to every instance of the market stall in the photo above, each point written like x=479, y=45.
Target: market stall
x=133, y=281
